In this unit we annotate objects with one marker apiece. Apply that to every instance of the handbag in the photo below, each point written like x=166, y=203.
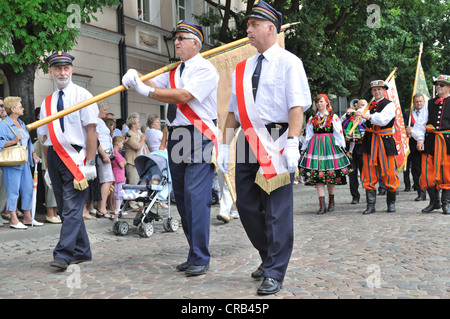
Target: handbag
x=13, y=155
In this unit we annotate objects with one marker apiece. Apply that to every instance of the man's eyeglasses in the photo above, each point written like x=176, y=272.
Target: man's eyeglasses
x=441, y=85
x=1, y=105
x=180, y=38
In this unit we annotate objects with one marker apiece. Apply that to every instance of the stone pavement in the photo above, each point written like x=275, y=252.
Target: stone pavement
x=342, y=254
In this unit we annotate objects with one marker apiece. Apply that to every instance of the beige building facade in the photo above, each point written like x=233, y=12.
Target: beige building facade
x=134, y=35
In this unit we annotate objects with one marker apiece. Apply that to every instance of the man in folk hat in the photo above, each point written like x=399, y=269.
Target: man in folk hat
x=191, y=91
x=432, y=132
x=379, y=148
x=269, y=94
x=69, y=151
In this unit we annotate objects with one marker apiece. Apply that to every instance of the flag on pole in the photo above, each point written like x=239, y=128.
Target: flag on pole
x=401, y=140
x=420, y=84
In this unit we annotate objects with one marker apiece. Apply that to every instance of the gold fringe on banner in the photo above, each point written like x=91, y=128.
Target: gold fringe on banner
x=272, y=184
x=80, y=185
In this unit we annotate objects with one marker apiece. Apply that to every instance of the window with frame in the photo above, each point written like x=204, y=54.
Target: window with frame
x=149, y=11
x=184, y=9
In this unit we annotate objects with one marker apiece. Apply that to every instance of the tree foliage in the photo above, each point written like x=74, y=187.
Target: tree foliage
x=345, y=44
x=30, y=30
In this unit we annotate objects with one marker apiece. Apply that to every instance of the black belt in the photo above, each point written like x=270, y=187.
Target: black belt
x=188, y=127
x=76, y=147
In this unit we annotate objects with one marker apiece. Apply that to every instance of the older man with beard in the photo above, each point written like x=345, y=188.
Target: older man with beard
x=69, y=152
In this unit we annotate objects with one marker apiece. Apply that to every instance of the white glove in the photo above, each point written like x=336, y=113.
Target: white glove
x=128, y=79
x=141, y=88
x=47, y=179
x=291, y=154
x=222, y=159
x=90, y=172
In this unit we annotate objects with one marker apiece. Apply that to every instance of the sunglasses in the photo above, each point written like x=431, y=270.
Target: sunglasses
x=1, y=105
x=441, y=85
x=180, y=38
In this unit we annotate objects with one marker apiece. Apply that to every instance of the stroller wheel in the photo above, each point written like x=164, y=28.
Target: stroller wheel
x=170, y=225
x=174, y=225
x=120, y=228
x=145, y=229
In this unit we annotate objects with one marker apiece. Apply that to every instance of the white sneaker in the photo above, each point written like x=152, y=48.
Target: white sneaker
x=34, y=223
x=234, y=214
x=18, y=226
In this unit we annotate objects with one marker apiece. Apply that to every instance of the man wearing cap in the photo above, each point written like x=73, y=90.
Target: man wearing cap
x=379, y=148
x=269, y=94
x=191, y=93
x=69, y=152
x=432, y=132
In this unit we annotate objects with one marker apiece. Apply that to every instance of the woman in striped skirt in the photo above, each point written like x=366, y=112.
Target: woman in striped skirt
x=324, y=161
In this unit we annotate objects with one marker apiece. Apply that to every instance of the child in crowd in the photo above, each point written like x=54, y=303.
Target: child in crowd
x=118, y=167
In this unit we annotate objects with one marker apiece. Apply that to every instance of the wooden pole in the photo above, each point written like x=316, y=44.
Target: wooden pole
x=415, y=84
x=355, y=124
x=120, y=88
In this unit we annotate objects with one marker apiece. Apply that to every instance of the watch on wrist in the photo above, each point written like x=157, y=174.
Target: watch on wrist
x=152, y=90
x=90, y=162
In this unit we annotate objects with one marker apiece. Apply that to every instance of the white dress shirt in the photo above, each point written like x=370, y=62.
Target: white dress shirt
x=418, y=130
x=385, y=116
x=200, y=78
x=74, y=123
x=282, y=85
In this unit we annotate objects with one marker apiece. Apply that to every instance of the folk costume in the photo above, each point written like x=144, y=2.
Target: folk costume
x=433, y=129
x=353, y=144
x=324, y=160
x=379, y=150
x=66, y=157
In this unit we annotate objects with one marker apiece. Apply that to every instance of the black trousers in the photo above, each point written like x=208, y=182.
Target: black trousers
x=73, y=241
x=267, y=218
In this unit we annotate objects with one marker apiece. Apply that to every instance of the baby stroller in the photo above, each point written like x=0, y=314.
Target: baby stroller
x=153, y=191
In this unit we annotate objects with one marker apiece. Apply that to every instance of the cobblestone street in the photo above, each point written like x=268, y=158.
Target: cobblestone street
x=342, y=254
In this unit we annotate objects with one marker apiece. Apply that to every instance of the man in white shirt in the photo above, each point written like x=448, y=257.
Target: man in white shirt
x=69, y=152
x=191, y=91
x=274, y=104
x=379, y=148
x=413, y=165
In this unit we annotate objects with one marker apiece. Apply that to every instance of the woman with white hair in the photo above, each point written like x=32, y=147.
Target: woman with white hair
x=133, y=147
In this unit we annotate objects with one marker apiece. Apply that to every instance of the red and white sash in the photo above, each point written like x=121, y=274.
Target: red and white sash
x=73, y=160
x=272, y=173
x=201, y=121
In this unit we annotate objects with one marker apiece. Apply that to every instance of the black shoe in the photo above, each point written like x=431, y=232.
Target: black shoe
x=421, y=195
x=269, y=286
x=59, y=263
x=390, y=201
x=371, y=196
x=194, y=270
x=435, y=200
x=80, y=260
x=322, y=206
x=183, y=266
x=382, y=191
x=355, y=200
x=407, y=189
x=258, y=273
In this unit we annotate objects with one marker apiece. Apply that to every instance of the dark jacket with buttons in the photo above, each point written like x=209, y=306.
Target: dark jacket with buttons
x=439, y=117
x=388, y=140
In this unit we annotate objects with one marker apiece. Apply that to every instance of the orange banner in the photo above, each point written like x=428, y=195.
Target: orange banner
x=401, y=140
